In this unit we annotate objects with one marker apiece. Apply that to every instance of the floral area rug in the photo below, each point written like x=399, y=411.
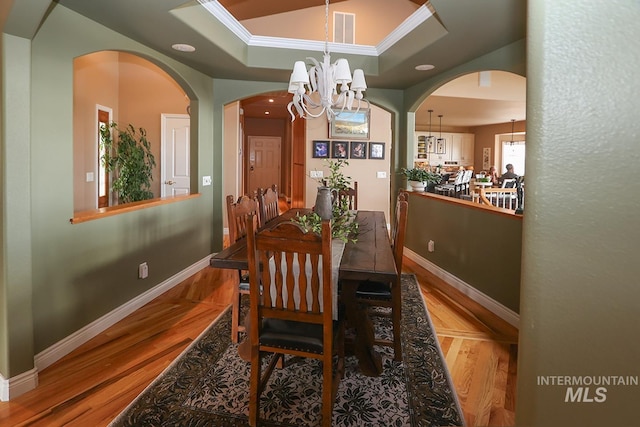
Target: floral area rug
x=208, y=385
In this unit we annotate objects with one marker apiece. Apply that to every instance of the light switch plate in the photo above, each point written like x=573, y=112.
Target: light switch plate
x=206, y=180
x=381, y=174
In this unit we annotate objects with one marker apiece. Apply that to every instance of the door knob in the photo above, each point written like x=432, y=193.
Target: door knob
x=169, y=182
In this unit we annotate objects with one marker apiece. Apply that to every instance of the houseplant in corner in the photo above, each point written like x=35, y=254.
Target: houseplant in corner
x=420, y=179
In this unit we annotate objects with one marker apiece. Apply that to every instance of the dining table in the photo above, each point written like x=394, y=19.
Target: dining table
x=368, y=257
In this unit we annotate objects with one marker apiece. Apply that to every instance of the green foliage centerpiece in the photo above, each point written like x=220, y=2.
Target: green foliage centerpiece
x=131, y=159
x=343, y=224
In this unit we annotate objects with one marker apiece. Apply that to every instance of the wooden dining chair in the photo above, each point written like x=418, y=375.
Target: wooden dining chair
x=294, y=315
x=269, y=204
x=378, y=294
x=238, y=214
x=351, y=195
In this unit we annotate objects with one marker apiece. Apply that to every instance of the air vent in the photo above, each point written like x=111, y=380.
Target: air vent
x=344, y=27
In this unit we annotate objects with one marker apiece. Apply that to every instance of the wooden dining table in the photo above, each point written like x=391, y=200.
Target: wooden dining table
x=370, y=257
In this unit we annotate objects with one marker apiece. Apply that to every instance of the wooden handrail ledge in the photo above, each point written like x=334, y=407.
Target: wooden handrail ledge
x=90, y=215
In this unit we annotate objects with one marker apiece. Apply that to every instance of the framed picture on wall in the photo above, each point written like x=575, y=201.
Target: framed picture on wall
x=358, y=150
x=376, y=150
x=320, y=149
x=340, y=149
x=350, y=124
x=486, y=158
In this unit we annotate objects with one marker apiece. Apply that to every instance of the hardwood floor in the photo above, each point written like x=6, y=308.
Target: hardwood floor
x=93, y=384
x=480, y=349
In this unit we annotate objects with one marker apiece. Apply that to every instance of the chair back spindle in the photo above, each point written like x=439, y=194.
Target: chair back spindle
x=268, y=202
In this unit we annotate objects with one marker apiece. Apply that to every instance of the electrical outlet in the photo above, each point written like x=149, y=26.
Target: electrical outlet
x=432, y=246
x=143, y=271
x=206, y=180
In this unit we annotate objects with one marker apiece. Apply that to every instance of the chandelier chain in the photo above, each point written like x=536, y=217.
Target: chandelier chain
x=326, y=27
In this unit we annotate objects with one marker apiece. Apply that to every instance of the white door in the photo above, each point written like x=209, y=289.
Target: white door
x=264, y=162
x=175, y=154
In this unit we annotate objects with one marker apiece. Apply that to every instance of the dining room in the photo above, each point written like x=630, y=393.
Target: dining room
x=65, y=355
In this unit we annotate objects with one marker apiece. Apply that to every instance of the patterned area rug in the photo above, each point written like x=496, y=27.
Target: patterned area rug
x=208, y=385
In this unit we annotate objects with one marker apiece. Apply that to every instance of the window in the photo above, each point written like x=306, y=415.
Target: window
x=514, y=153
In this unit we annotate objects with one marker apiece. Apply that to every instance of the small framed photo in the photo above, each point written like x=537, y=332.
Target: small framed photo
x=340, y=150
x=376, y=150
x=320, y=149
x=358, y=150
x=352, y=124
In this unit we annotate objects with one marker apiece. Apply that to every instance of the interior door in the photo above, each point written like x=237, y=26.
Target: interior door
x=264, y=162
x=175, y=154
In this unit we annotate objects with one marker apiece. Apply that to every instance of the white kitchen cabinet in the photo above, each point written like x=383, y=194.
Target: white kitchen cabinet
x=458, y=149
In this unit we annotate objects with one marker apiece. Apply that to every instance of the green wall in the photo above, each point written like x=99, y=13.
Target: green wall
x=580, y=283
x=478, y=246
x=70, y=275
x=16, y=335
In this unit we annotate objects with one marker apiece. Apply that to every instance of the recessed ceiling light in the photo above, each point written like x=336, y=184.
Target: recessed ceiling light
x=425, y=67
x=271, y=100
x=183, y=47
x=267, y=113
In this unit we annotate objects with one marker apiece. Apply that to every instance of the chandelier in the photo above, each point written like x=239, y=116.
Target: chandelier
x=325, y=88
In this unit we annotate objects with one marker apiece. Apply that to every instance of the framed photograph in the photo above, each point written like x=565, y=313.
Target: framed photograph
x=320, y=149
x=350, y=124
x=376, y=150
x=340, y=149
x=358, y=150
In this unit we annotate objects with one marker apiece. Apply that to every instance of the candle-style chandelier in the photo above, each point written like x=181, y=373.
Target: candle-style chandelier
x=324, y=88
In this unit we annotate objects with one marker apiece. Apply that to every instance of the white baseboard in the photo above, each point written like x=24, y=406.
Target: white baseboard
x=60, y=349
x=487, y=302
x=15, y=386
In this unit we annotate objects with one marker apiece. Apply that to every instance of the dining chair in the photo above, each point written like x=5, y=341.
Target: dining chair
x=379, y=294
x=294, y=315
x=238, y=214
x=351, y=196
x=450, y=189
x=269, y=204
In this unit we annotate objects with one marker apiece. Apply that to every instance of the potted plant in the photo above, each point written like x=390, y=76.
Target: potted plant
x=130, y=158
x=419, y=178
x=343, y=226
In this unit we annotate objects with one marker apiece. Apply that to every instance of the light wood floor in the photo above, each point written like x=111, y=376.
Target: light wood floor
x=92, y=385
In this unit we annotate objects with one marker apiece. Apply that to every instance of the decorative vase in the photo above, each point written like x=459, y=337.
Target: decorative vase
x=417, y=185
x=324, y=202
